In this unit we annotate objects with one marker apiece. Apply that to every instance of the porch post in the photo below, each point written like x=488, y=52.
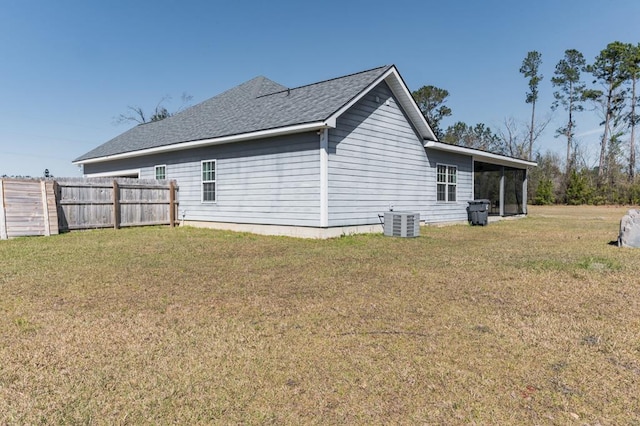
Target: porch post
x=501, y=191
x=473, y=176
x=524, y=191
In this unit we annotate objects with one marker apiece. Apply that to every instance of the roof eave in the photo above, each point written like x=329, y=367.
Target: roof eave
x=280, y=131
x=483, y=156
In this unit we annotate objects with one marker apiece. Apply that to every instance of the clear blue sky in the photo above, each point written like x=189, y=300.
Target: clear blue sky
x=67, y=68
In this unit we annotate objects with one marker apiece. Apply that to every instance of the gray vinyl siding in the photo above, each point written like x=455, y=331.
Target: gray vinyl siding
x=438, y=211
x=274, y=181
x=376, y=159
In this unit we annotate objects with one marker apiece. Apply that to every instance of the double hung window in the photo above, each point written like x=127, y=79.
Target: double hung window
x=446, y=182
x=209, y=181
x=161, y=172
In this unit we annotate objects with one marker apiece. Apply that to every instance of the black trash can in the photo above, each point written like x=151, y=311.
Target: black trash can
x=478, y=212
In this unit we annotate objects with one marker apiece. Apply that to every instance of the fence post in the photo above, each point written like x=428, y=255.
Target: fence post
x=116, y=205
x=3, y=217
x=45, y=208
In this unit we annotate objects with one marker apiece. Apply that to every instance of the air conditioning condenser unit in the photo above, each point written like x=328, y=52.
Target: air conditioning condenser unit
x=401, y=224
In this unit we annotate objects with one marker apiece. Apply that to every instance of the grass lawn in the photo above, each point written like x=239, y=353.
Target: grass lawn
x=532, y=321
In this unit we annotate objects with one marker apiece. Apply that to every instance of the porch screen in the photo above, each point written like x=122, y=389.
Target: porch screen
x=513, y=180
x=487, y=186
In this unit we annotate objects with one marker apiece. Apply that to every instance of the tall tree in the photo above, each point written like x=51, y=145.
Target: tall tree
x=632, y=70
x=570, y=94
x=431, y=101
x=531, y=69
x=609, y=71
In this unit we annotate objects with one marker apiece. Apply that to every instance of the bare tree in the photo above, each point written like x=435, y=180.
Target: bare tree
x=513, y=138
x=517, y=138
x=160, y=112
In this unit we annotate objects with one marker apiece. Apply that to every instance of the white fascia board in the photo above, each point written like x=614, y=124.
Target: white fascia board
x=483, y=156
x=115, y=173
x=401, y=92
x=214, y=141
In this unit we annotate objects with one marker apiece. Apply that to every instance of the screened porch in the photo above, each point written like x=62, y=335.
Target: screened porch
x=505, y=187
x=498, y=178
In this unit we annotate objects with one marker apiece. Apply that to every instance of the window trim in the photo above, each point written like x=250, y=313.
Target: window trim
x=214, y=181
x=446, y=183
x=155, y=171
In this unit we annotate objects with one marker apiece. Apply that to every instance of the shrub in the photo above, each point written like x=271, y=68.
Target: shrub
x=579, y=190
x=544, y=194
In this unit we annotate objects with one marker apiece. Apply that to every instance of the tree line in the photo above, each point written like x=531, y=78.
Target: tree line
x=606, y=86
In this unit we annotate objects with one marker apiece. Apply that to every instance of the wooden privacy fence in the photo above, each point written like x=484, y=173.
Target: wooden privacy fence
x=77, y=203
x=27, y=207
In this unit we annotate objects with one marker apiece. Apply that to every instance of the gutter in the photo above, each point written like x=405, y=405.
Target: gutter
x=480, y=155
x=300, y=128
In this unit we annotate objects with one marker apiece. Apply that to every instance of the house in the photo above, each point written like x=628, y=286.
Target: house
x=318, y=160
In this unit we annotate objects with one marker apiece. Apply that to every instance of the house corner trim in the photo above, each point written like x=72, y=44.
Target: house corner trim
x=324, y=177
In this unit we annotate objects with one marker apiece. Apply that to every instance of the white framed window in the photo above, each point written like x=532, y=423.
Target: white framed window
x=208, y=168
x=161, y=172
x=446, y=183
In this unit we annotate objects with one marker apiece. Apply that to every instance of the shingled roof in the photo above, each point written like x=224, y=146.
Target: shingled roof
x=256, y=105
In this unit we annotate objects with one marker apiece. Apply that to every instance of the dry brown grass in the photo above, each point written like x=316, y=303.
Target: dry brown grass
x=533, y=321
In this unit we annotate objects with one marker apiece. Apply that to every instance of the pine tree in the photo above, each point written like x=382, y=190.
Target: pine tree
x=431, y=101
x=631, y=66
x=531, y=69
x=608, y=69
x=570, y=94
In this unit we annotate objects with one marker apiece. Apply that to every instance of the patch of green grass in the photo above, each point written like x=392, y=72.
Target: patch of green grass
x=546, y=265
x=529, y=321
x=24, y=325
x=599, y=264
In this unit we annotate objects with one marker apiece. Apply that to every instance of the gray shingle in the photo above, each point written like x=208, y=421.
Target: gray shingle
x=258, y=104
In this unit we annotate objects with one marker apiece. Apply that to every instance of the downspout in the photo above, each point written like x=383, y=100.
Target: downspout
x=324, y=177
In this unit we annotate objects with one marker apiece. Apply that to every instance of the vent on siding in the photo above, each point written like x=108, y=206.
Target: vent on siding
x=401, y=224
